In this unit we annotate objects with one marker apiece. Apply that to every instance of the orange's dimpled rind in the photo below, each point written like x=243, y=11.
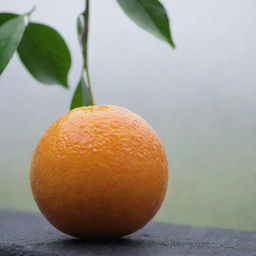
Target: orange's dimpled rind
x=99, y=171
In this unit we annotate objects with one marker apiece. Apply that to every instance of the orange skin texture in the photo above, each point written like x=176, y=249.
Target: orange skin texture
x=99, y=171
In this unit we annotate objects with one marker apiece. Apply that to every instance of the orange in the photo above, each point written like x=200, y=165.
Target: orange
x=99, y=171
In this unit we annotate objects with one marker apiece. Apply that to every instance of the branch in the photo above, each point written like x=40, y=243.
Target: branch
x=85, y=33
x=84, y=39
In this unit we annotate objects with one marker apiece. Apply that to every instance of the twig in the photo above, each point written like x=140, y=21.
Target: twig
x=85, y=35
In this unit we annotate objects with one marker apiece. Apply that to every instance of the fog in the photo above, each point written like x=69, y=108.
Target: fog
x=200, y=98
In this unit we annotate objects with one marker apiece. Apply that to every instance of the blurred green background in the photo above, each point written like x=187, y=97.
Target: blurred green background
x=200, y=99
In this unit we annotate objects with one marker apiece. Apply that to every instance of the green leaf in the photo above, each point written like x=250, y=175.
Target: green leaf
x=149, y=15
x=5, y=16
x=81, y=96
x=45, y=54
x=80, y=27
x=11, y=33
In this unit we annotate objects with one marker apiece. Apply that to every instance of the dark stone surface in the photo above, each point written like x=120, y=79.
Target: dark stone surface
x=27, y=234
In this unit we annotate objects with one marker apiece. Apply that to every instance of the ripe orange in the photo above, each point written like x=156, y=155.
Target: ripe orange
x=99, y=171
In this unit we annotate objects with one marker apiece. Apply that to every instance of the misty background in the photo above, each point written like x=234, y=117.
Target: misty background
x=200, y=98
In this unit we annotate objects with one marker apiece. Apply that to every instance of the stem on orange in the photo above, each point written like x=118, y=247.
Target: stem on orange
x=85, y=36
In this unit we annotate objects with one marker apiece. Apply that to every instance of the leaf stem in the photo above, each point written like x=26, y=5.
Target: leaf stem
x=31, y=11
x=85, y=35
x=28, y=14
